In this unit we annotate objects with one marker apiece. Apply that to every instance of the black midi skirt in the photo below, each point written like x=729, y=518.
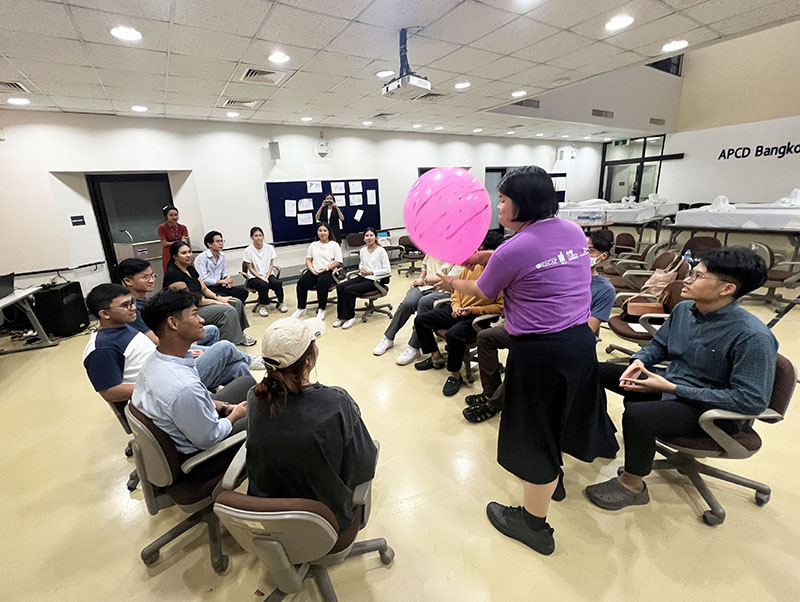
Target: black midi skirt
x=553, y=404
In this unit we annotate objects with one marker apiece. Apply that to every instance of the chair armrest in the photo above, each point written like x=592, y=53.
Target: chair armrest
x=213, y=451
x=624, y=249
x=276, y=271
x=627, y=263
x=439, y=302
x=362, y=494
x=381, y=288
x=484, y=320
x=646, y=320
x=620, y=298
x=232, y=476
x=732, y=447
x=635, y=279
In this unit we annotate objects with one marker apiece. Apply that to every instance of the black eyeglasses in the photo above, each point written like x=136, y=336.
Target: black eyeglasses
x=126, y=305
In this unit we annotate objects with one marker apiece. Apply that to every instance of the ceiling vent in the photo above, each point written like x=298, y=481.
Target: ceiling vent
x=241, y=104
x=262, y=76
x=382, y=116
x=657, y=121
x=13, y=87
x=602, y=113
x=528, y=102
x=430, y=97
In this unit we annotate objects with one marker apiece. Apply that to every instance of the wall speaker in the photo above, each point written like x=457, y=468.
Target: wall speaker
x=274, y=150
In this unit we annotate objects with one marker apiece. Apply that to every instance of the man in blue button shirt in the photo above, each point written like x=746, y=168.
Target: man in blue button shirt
x=211, y=267
x=720, y=356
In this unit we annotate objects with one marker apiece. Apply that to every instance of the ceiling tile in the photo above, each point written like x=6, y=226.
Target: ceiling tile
x=336, y=64
x=586, y=56
x=187, y=111
x=502, y=68
x=190, y=66
x=787, y=9
x=220, y=113
x=92, y=105
x=193, y=85
x=33, y=46
x=347, y=9
x=148, y=9
x=294, y=97
x=681, y=4
x=192, y=100
x=366, y=40
x=301, y=28
x=538, y=75
x=71, y=89
x=132, y=59
x=566, y=13
x=615, y=62
x=644, y=11
x=124, y=108
x=36, y=16
x=132, y=79
x=558, y=45
x=244, y=90
x=464, y=59
x=467, y=22
x=717, y=10
x=667, y=27
x=694, y=37
x=513, y=36
x=363, y=87
x=243, y=17
x=515, y=6
x=397, y=14
x=96, y=26
x=56, y=72
x=39, y=102
x=134, y=96
x=341, y=97
x=317, y=82
x=259, y=51
x=207, y=44
x=422, y=51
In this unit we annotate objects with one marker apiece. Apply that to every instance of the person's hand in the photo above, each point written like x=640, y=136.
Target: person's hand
x=653, y=383
x=235, y=412
x=366, y=272
x=418, y=282
x=463, y=311
x=632, y=371
x=227, y=281
x=196, y=352
x=477, y=258
x=445, y=283
x=223, y=300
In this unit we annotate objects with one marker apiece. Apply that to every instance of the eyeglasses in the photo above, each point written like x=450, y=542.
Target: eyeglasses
x=150, y=277
x=129, y=305
x=218, y=241
x=695, y=275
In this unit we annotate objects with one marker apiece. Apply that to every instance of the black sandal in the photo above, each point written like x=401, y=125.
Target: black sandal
x=476, y=400
x=479, y=413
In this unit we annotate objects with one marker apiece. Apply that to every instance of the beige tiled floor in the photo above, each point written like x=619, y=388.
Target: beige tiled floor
x=71, y=531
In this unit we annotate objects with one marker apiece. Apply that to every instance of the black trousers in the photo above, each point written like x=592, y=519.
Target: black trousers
x=647, y=417
x=323, y=283
x=459, y=333
x=263, y=288
x=347, y=293
x=490, y=341
x=238, y=292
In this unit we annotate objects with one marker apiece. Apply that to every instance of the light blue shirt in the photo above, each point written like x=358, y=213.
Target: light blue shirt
x=168, y=390
x=211, y=270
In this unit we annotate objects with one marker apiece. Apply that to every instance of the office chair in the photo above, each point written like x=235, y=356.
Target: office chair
x=681, y=453
x=118, y=407
x=780, y=274
x=632, y=280
x=167, y=481
x=276, y=271
x=294, y=538
x=642, y=260
x=337, y=278
x=370, y=307
x=409, y=253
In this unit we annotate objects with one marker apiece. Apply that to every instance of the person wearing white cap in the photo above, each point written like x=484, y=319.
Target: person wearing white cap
x=305, y=440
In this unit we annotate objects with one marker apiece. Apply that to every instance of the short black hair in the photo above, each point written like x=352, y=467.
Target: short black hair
x=600, y=242
x=101, y=296
x=128, y=268
x=532, y=191
x=742, y=267
x=167, y=208
x=493, y=240
x=164, y=304
x=209, y=237
x=255, y=229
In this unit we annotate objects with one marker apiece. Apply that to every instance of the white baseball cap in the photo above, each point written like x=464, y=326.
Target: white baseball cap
x=287, y=339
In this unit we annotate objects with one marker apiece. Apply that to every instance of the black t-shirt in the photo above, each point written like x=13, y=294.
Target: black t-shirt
x=174, y=274
x=315, y=447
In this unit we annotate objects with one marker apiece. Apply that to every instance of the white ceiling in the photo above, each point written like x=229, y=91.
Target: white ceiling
x=193, y=53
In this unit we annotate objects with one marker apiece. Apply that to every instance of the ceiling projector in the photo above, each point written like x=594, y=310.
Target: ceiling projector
x=407, y=85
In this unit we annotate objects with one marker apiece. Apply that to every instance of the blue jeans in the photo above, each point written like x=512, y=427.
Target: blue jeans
x=212, y=336
x=221, y=363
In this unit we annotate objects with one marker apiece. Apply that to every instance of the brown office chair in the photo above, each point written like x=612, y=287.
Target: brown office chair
x=700, y=244
x=294, y=538
x=276, y=271
x=409, y=253
x=370, y=307
x=633, y=261
x=624, y=243
x=355, y=241
x=118, y=407
x=780, y=274
x=165, y=481
x=681, y=453
x=607, y=234
x=632, y=280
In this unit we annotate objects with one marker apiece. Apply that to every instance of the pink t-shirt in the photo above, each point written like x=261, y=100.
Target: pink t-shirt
x=544, y=274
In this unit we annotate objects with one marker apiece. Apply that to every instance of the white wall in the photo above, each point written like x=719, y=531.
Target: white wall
x=217, y=172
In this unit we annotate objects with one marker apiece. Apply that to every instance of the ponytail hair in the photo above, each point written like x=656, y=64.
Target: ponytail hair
x=279, y=383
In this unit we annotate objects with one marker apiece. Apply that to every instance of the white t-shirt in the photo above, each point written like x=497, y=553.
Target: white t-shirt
x=377, y=261
x=260, y=258
x=322, y=255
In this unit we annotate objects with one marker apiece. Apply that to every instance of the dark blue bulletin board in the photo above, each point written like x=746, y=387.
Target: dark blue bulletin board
x=286, y=231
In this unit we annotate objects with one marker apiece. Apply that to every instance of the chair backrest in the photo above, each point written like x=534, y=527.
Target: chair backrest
x=625, y=239
x=782, y=389
x=607, y=234
x=355, y=240
x=663, y=261
x=405, y=241
x=765, y=252
x=672, y=295
x=162, y=464
x=118, y=407
x=683, y=271
x=699, y=244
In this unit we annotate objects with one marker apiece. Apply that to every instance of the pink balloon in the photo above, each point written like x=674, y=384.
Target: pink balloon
x=447, y=213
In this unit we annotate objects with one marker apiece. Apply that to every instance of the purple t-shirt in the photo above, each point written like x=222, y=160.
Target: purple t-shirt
x=544, y=273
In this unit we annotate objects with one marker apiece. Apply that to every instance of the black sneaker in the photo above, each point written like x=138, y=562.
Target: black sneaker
x=428, y=363
x=452, y=385
x=509, y=521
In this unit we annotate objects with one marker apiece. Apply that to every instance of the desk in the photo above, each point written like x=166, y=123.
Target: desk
x=792, y=234
x=20, y=298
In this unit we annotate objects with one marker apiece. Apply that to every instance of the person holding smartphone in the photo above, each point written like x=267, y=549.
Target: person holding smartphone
x=329, y=213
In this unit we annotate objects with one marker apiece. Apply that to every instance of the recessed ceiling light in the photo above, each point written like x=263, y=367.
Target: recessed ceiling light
x=366, y=123
x=306, y=118
x=509, y=132
x=386, y=73
x=565, y=135
x=19, y=101
x=139, y=108
x=540, y=135
x=607, y=139
x=619, y=22
x=462, y=85
x=587, y=137
x=518, y=93
x=278, y=57
x=232, y=114
x=128, y=34
x=439, y=127
x=416, y=126
x=674, y=45
x=477, y=130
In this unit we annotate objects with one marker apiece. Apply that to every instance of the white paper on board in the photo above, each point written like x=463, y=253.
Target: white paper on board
x=313, y=186
x=337, y=187
x=355, y=186
x=371, y=198
x=340, y=199
x=359, y=214
x=305, y=219
x=289, y=208
x=305, y=205
x=356, y=200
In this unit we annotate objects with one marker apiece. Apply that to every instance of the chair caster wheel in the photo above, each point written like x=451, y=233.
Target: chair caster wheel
x=133, y=481
x=150, y=558
x=761, y=498
x=387, y=555
x=220, y=564
x=712, y=519
x=128, y=451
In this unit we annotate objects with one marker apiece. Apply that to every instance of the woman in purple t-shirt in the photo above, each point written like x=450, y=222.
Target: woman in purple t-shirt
x=551, y=400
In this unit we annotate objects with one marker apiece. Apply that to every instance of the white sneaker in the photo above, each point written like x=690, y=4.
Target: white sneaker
x=282, y=308
x=299, y=313
x=348, y=324
x=337, y=323
x=263, y=311
x=321, y=314
x=257, y=363
x=384, y=346
x=409, y=355
x=249, y=341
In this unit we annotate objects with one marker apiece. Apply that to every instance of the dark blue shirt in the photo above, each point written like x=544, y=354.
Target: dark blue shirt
x=603, y=294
